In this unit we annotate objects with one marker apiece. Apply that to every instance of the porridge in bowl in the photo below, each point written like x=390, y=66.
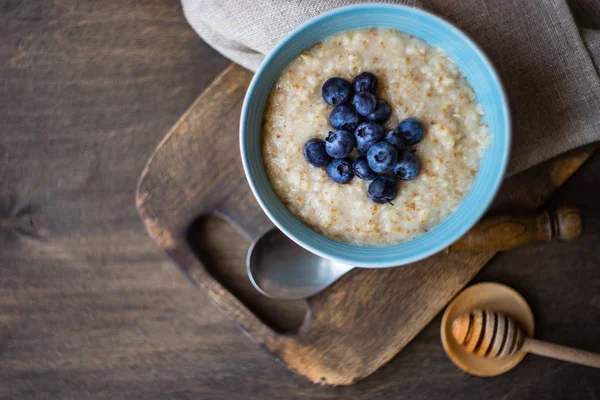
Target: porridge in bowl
x=426, y=150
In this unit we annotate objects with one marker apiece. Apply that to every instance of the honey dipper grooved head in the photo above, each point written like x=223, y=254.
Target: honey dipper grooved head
x=460, y=328
x=487, y=333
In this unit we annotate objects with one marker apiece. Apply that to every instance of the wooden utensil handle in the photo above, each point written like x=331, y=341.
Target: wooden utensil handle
x=505, y=232
x=559, y=352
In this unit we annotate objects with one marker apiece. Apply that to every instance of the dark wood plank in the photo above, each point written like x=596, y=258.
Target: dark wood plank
x=89, y=306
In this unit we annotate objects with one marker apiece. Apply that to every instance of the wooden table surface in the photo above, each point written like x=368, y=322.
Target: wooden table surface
x=91, y=309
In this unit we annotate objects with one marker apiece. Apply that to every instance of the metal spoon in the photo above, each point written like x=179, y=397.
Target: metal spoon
x=280, y=269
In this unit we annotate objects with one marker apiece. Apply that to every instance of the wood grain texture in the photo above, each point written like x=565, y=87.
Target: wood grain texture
x=90, y=308
x=189, y=176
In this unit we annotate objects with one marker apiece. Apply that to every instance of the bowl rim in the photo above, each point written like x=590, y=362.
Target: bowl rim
x=434, y=248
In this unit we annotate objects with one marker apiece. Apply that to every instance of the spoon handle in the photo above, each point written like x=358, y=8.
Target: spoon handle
x=560, y=352
x=506, y=232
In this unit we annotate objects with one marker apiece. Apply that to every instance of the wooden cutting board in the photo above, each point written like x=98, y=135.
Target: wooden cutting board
x=347, y=331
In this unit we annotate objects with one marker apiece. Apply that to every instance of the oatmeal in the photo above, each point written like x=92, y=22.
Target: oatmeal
x=418, y=81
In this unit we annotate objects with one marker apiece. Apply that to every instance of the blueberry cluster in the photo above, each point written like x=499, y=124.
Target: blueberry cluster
x=382, y=157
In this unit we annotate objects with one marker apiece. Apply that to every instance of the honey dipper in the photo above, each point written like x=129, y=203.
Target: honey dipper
x=491, y=334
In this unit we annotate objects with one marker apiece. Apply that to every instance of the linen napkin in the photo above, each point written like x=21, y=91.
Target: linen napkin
x=547, y=53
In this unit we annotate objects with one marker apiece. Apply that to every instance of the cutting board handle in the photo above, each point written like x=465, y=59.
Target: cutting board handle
x=506, y=232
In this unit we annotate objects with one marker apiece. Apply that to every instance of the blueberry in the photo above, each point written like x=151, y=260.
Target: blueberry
x=383, y=189
x=340, y=170
x=367, y=134
x=412, y=130
x=365, y=82
x=315, y=153
x=396, y=139
x=408, y=166
x=362, y=170
x=336, y=91
x=364, y=102
x=344, y=117
x=382, y=157
x=339, y=144
x=382, y=112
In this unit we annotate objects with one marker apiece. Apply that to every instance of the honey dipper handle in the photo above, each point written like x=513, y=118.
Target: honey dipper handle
x=505, y=232
x=559, y=352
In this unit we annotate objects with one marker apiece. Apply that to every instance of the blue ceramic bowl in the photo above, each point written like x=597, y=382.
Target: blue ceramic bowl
x=479, y=72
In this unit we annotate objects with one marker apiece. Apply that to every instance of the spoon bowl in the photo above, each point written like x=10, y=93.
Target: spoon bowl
x=280, y=269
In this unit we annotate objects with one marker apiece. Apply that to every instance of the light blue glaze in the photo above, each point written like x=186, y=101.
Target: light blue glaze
x=480, y=74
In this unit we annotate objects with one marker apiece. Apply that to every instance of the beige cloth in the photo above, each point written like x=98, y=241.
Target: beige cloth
x=547, y=62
